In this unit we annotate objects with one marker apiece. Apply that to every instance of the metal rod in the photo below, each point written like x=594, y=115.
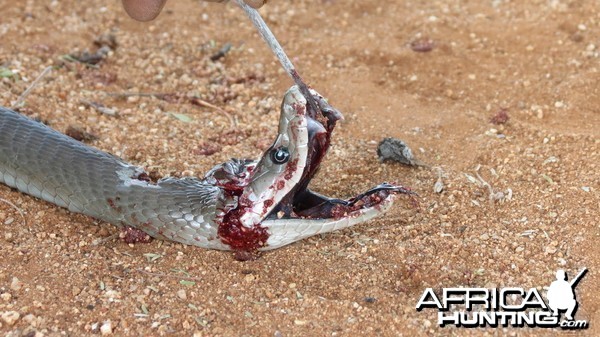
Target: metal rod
x=276, y=48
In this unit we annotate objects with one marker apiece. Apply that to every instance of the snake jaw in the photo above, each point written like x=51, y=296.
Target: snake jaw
x=275, y=207
x=286, y=231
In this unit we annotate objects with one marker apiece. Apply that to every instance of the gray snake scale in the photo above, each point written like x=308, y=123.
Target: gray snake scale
x=239, y=205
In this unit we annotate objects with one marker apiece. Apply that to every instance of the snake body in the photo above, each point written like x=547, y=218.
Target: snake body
x=52, y=166
x=239, y=205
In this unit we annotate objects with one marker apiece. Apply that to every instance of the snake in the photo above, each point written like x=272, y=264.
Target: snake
x=241, y=205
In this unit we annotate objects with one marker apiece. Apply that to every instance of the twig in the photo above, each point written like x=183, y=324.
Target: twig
x=438, y=187
x=99, y=242
x=16, y=208
x=186, y=278
x=494, y=196
x=99, y=107
x=221, y=52
x=485, y=184
x=133, y=94
x=21, y=98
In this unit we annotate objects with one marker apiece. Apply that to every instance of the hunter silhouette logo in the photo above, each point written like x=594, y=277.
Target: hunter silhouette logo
x=507, y=307
x=561, y=294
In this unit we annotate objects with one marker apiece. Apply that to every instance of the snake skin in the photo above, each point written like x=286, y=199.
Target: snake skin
x=42, y=162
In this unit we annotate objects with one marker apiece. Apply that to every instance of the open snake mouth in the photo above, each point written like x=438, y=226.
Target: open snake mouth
x=270, y=205
x=301, y=202
x=309, y=213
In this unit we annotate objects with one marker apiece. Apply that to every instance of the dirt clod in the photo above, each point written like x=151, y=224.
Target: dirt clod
x=396, y=150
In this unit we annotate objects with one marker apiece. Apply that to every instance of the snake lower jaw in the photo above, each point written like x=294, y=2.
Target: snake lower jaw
x=289, y=230
x=318, y=214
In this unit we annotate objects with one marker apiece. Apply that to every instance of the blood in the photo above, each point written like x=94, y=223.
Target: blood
x=319, y=145
x=134, y=235
x=341, y=209
x=151, y=178
x=290, y=169
x=233, y=233
x=267, y=204
x=143, y=177
x=114, y=206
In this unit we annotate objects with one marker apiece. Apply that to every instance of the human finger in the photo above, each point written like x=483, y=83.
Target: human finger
x=143, y=10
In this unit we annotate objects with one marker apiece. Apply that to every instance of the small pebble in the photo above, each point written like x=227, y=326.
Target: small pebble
x=182, y=294
x=6, y=297
x=370, y=299
x=10, y=317
x=16, y=284
x=9, y=237
x=438, y=187
x=106, y=328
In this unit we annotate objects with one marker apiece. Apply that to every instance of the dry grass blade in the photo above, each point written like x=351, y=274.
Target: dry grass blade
x=187, y=278
x=16, y=208
x=98, y=107
x=203, y=103
x=21, y=98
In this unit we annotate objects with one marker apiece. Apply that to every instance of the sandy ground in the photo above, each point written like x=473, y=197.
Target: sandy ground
x=536, y=60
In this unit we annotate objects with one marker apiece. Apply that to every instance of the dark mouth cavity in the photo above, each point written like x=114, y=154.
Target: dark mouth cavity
x=301, y=202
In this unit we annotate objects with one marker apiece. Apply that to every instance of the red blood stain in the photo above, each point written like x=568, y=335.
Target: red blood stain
x=291, y=169
x=338, y=211
x=143, y=177
x=134, y=235
x=233, y=233
x=267, y=204
x=112, y=204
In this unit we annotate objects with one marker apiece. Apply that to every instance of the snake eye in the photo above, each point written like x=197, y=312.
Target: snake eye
x=280, y=155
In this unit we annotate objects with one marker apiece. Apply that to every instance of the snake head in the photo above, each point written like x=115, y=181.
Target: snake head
x=275, y=207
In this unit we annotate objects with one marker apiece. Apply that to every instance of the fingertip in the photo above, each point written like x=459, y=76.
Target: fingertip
x=143, y=10
x=255, y=3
